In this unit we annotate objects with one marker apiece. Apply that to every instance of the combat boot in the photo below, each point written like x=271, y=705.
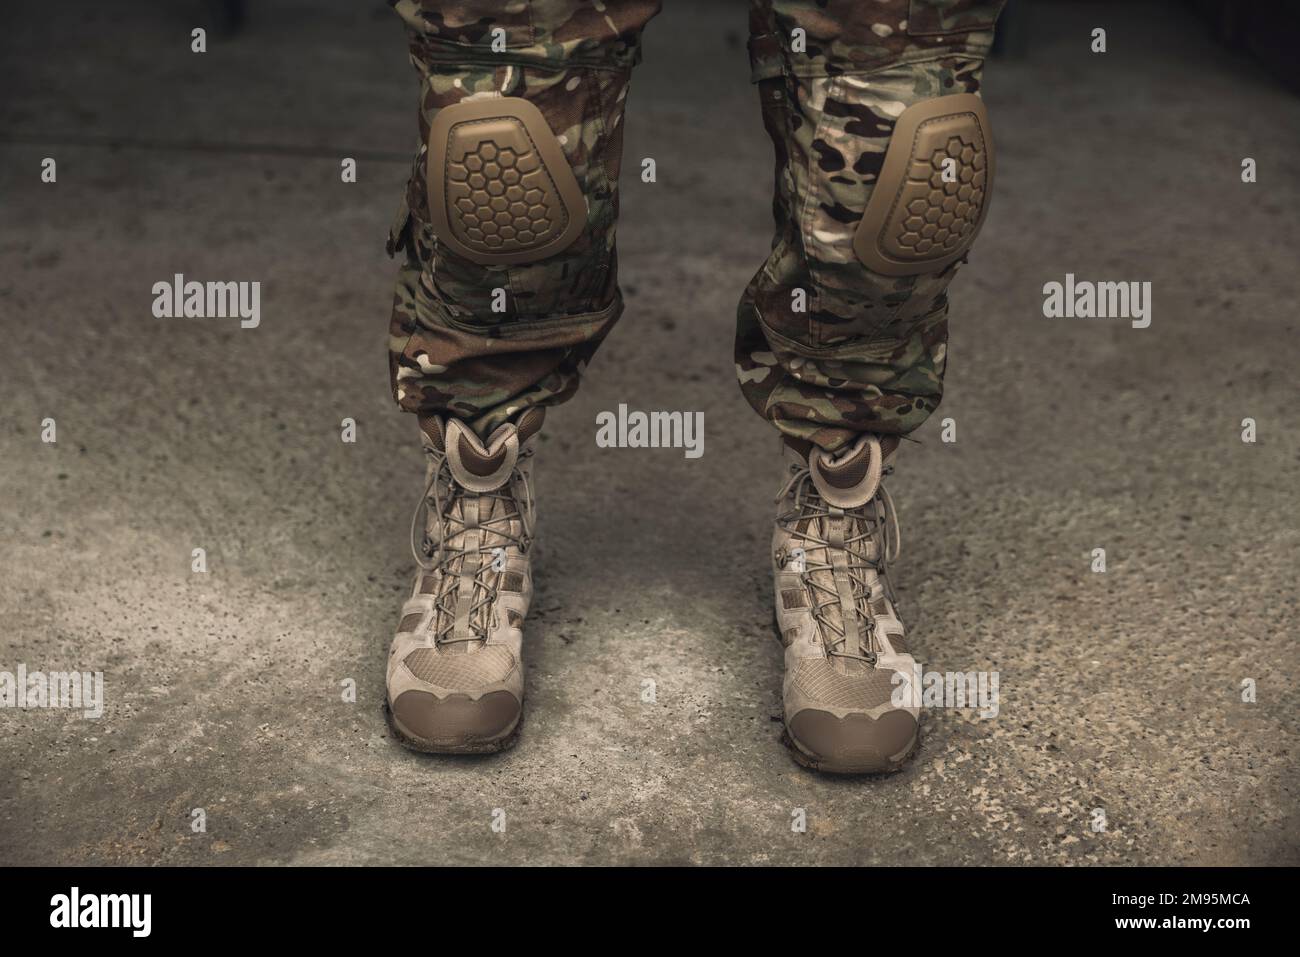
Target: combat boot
x=836, y=532
x=455, y=670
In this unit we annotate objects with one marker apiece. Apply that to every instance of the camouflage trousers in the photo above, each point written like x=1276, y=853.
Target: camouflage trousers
x=825, y=348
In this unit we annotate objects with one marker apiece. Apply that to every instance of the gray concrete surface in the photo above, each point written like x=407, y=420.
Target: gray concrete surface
x=1120, y=691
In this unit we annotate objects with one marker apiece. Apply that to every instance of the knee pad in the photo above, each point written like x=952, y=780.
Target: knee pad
x=932, y=195
x=500, y=189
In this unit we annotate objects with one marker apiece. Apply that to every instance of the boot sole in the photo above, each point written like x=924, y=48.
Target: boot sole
x=415, y=743
x=831, y=767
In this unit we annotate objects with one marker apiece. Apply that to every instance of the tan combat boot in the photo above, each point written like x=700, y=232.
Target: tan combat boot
x=836, y=532
x=455, y=671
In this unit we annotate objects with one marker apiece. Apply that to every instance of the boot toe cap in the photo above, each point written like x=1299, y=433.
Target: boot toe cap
x=456, y=723
x=854, y=744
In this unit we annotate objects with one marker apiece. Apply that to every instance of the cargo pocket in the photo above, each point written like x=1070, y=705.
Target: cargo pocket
x=399, y=236
x=937, y=18
x=403, y=233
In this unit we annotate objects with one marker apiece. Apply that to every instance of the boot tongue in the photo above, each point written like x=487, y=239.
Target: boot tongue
x=477, y=465
x=850, y=478
x=482, y=466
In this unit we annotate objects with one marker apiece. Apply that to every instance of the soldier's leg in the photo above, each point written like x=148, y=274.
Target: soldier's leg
x=507, y=285
x=508, y=272
x=884, y=166
x=844, y=328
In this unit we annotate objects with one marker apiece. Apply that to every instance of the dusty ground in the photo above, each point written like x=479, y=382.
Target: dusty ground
x=1120, y=691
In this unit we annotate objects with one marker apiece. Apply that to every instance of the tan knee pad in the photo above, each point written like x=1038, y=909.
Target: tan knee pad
x=932, y=195
x=500, y=189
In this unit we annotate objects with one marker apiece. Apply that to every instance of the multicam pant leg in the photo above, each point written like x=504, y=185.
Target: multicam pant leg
x=867, y=352
x=450, y=351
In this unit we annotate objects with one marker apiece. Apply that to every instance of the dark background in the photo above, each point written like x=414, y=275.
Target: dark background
x=1120, y=691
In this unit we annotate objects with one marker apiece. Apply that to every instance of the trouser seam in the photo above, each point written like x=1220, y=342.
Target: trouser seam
x=820, y=352
x=522, y=327
x=885, y=65
x=456, y=60
x=811, y=202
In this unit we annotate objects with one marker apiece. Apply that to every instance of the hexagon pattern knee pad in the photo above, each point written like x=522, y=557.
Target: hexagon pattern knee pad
x=932, y=195
x=500, y=189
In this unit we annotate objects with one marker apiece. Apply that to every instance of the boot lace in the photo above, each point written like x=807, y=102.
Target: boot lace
x=456, y=511
x=849, y=564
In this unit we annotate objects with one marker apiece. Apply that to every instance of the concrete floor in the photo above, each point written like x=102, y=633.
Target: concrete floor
x=1120, y=691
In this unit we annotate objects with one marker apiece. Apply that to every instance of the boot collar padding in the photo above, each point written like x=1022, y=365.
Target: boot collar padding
x=850, y=478
x=479, y=466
